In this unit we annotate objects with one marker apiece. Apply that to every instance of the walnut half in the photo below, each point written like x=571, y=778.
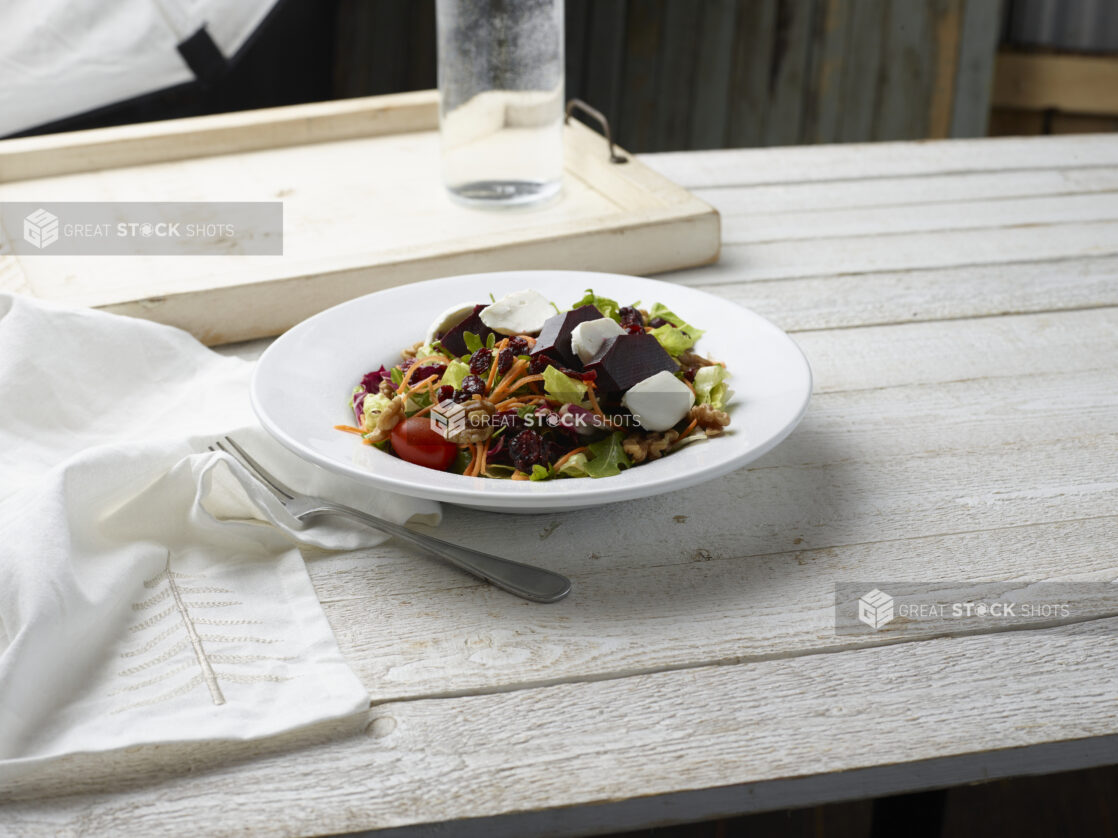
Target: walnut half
x=649, y=446
x=387, y=419
x=709, y=419
x=479, y=426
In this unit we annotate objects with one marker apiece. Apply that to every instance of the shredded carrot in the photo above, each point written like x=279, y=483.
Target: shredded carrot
x=594, y=402
x=528, y=379
x=690, y=387
x=690, y=427
x=469, y=470
x=519, y=400
x=419, y=362
x=493, y=366
x=349, y=429
x=519, y=475
x=567, y=456
x=505, y=386
x=484, y=447
x=407, y=391
x=421, y=411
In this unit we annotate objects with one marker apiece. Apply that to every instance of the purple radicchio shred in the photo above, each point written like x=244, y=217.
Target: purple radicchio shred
x=372, y=380
x=359, y=406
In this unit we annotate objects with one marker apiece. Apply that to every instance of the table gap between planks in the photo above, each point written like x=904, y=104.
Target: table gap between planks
x=958, y=302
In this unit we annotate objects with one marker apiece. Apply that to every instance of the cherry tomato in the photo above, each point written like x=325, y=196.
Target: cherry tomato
x=415, y=440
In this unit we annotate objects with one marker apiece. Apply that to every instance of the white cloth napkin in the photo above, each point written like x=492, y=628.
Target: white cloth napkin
x=151, y=591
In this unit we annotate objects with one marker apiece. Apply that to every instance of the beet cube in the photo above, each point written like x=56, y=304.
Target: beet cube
x=454, y=343
x=555, y=336
x=628, y=359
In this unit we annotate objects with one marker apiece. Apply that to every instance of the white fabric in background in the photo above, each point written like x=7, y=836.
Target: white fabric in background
x=61, y=58
x=151, y=591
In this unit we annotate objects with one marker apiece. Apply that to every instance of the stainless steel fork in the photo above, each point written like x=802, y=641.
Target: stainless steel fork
x=524, y=580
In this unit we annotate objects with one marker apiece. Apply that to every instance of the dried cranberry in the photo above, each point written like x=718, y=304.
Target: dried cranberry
x=473, y=385
x=505, y=359
x=689, y=373
x=480, y=361
x=583, y=375
x=444, y=393
x=460, y=396
x=539, y=364
x=634, y=328
x=518, y=345
x=630, y=317
x=657, y=322
x=426, y=371
x=526, y=450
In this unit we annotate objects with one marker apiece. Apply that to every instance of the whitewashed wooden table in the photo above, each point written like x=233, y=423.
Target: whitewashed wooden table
x=958, y=302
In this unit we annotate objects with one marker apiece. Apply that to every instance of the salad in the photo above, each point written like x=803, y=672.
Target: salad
x=518, y=389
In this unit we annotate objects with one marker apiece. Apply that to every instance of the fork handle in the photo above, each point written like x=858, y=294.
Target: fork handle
x=524, y=580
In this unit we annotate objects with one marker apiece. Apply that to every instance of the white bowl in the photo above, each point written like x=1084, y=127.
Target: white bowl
x=302, y=383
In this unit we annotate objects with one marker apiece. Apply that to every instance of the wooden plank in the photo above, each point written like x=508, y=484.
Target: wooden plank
x=605, y=60
x=824, y=106
x=826, y=302
x=862, y=61
x=576, y=24
x=788, y=72
x=852, y=161
x=907, y=69
x=1070, y=123
x=1015, y=122
x=644, y=28
x=945, y=216
x=917, y=251
x=1036, y=81
x=978, y=43
x=947, y=22
x=204, y=136
x=785, y=733
x=748, y=105
x=679, y=49
x=713, y=66
x=740, y=201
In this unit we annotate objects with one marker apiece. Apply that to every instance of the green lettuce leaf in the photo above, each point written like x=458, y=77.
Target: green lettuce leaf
x=473, y=342
x=539, y=472
x=397, y=375
x=605, y=305
x=574, y=467
x=711, y=387
x=455, y=371
x=607, y=456
x=674, y=340
x=562, y=387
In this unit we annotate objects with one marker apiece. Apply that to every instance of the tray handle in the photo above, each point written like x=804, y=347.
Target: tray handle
x=594, y=113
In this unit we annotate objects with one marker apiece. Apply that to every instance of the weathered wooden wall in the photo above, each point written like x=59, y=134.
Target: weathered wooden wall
x=689, y=74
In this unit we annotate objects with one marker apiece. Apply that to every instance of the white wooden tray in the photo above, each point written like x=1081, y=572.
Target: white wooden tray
x=363, y=210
